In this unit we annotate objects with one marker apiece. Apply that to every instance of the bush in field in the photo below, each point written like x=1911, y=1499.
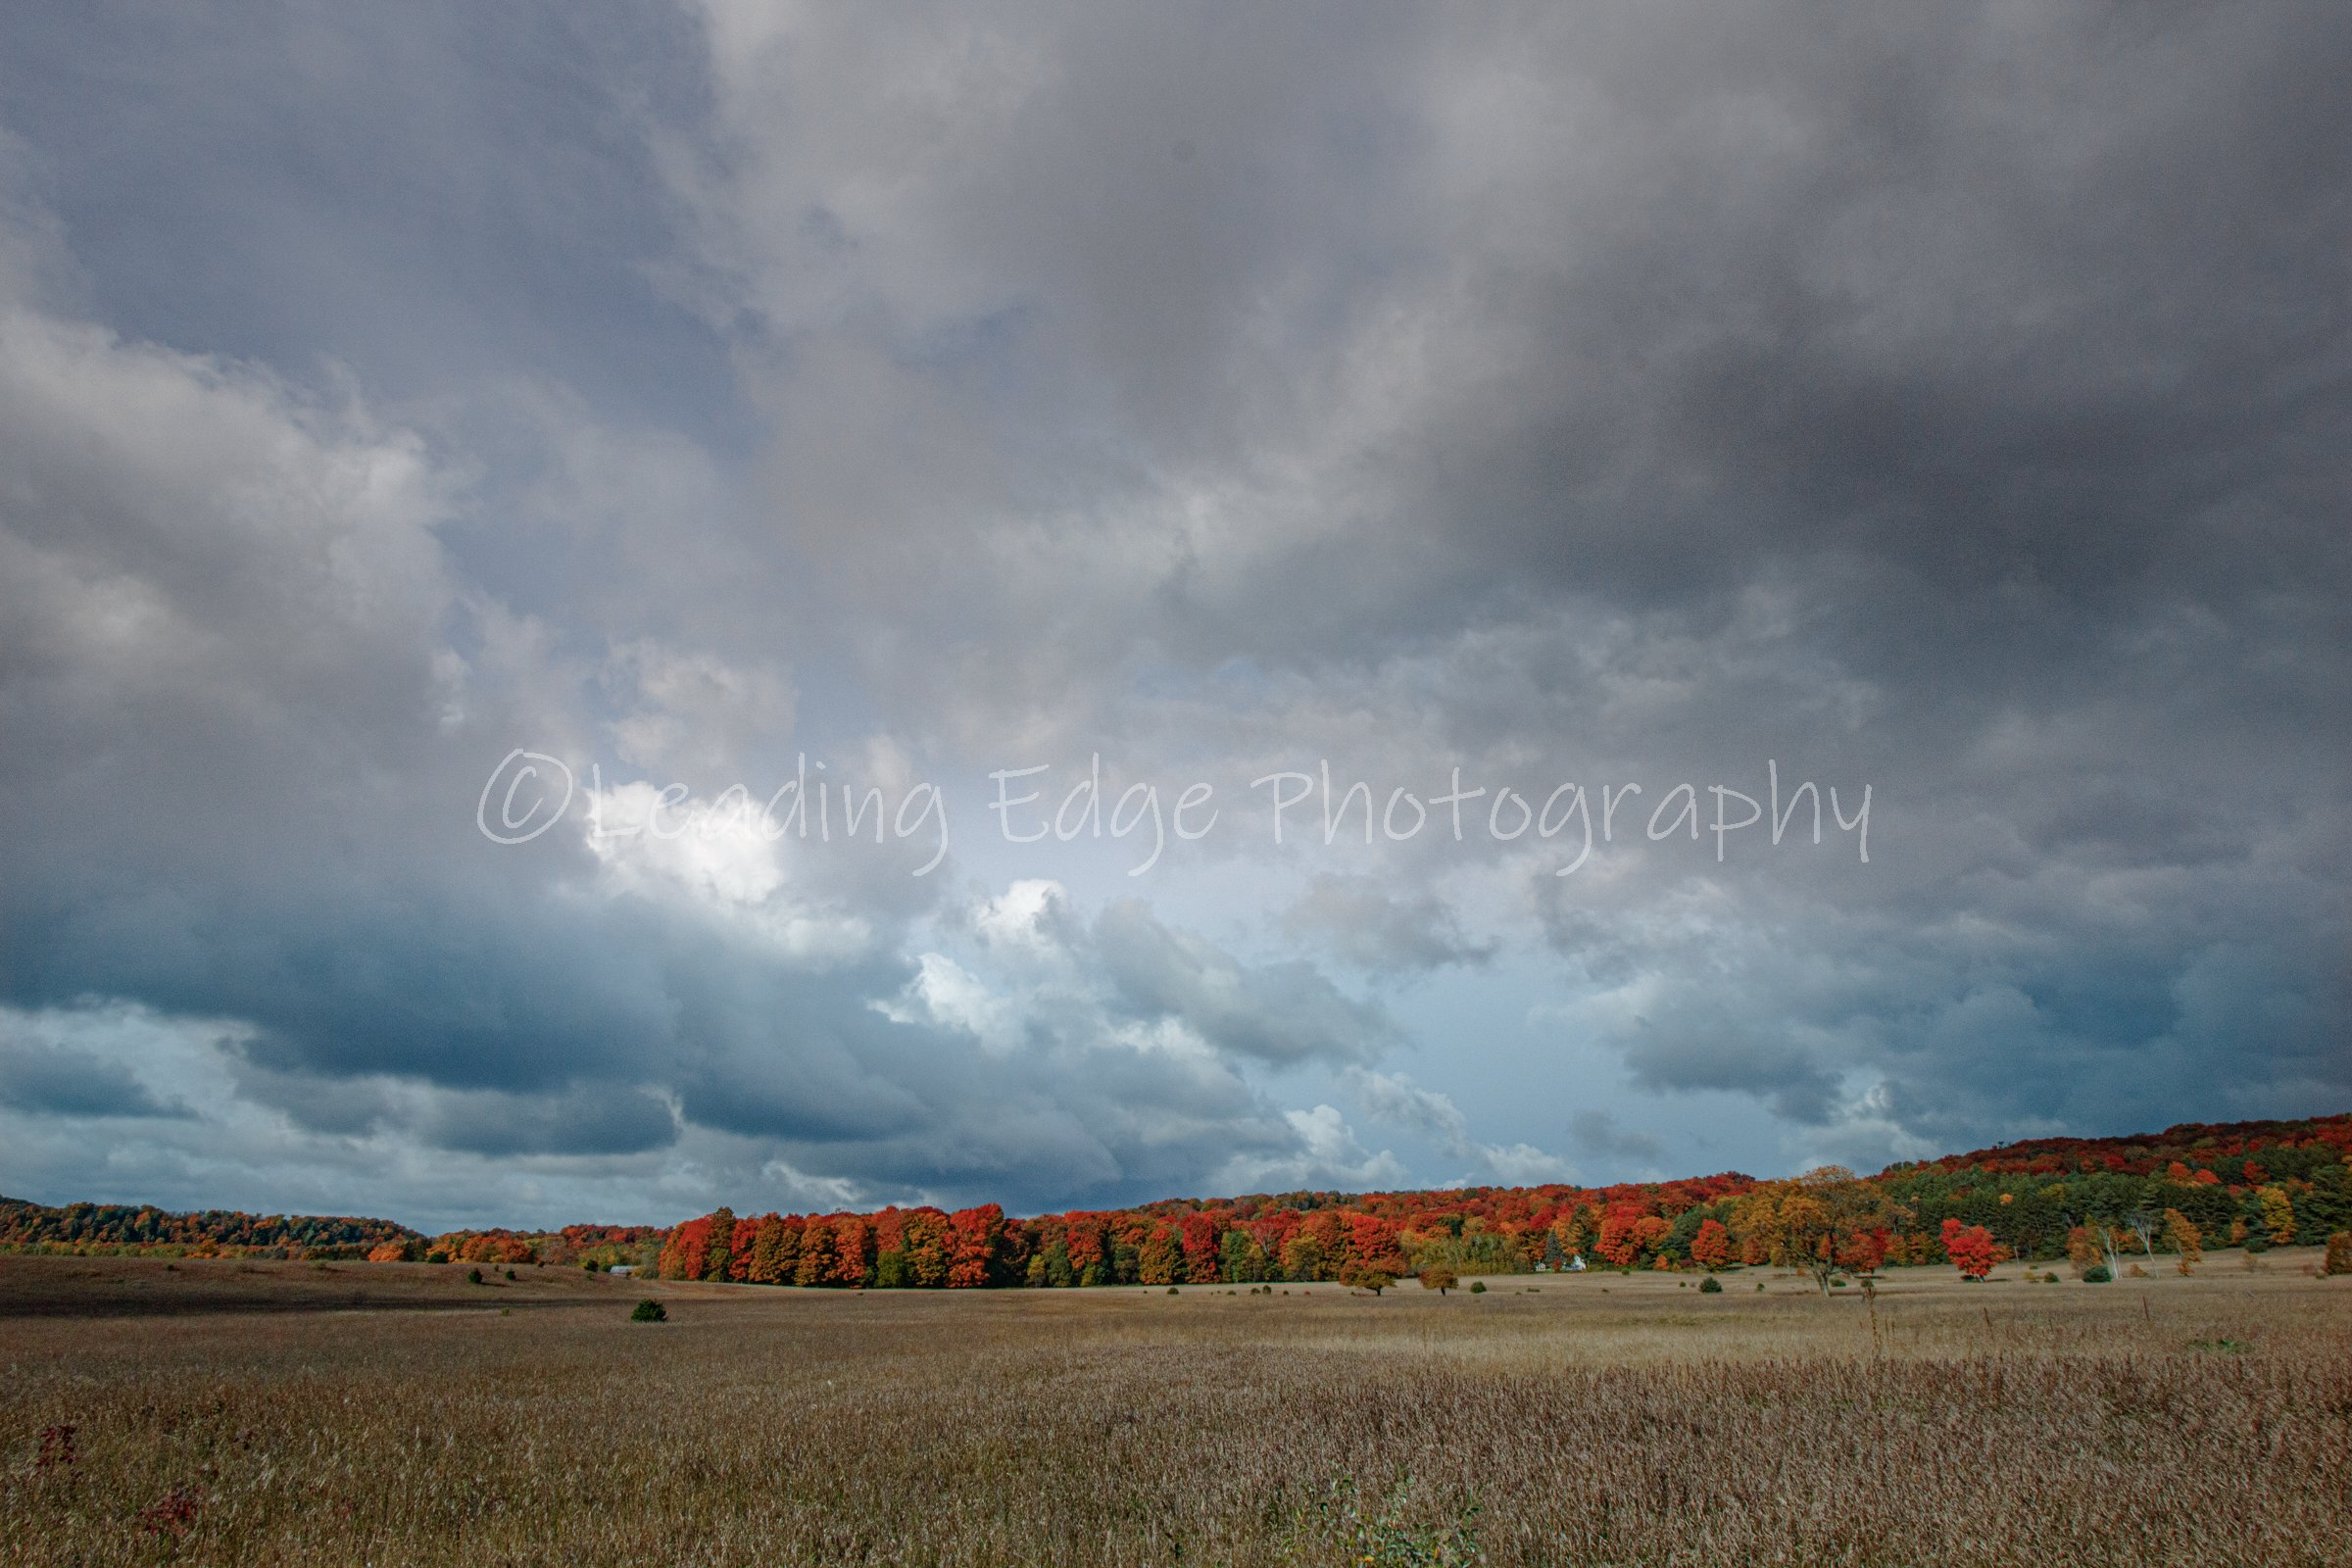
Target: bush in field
x=1394, y=1531
x=474, y=1276
x=650, y=1312
x=2097, y=1274
x=1710, y=1286
x=1478, y=1287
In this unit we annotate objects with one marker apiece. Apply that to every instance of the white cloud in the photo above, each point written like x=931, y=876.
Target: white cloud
x=1328, y=1159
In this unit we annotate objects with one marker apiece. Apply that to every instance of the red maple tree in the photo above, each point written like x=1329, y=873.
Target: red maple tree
x=1972, y=1248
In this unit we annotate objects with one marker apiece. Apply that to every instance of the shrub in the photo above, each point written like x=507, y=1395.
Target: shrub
x=1710, y=1286
x=1171, y=1290
x=2097, y=1274
x=587, y=1265
x=1478, y=1287
x=1394, y=1530
x=650, y=1312
x=474, y=1276
x=174, y=1514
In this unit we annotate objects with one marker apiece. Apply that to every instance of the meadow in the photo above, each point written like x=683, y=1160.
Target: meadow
x=398, y=1413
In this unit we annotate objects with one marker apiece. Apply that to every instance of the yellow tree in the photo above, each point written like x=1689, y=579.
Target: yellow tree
x=2279, y=1216
x=2183, y=1237
x=1811, y=1223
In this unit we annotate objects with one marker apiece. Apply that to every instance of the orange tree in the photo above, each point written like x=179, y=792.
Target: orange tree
x=1711, y=1247
x=1817, y=1223
x=2187, y=1241
x=1972, y=1248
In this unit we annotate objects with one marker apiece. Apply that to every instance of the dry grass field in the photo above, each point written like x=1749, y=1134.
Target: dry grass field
x=1587, y=1420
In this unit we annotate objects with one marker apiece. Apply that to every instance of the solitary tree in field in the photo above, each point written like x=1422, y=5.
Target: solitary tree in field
x=2184, y=1239
x=1972, y=1248
x=1811, y=1223
x=2340, y=1253
x=1440, y=1279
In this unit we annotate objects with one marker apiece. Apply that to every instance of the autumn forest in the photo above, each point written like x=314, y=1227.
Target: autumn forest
x=2106, y=1203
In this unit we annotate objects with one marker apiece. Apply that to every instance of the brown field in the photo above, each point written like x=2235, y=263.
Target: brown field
x=128, y=1287
x=1587, y=1420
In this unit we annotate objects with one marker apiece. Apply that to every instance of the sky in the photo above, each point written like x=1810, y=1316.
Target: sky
x=485, y=492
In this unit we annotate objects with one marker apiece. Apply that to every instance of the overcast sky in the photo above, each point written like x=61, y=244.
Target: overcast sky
x=1944, y=402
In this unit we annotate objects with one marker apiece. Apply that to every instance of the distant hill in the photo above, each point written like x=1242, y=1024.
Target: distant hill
x=2277, y=1149
x=144, y=1228
x=2237, y=1182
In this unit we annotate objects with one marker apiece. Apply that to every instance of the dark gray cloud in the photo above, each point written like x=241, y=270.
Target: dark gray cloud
x=1595, y=1135
x=46, y=1080
x=1949, y=402
x=589, y=1122
x=437, y=198
x=1281, y=1012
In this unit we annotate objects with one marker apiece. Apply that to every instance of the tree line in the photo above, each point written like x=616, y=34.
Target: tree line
x=2254, y=1184
x=2247, y=1184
